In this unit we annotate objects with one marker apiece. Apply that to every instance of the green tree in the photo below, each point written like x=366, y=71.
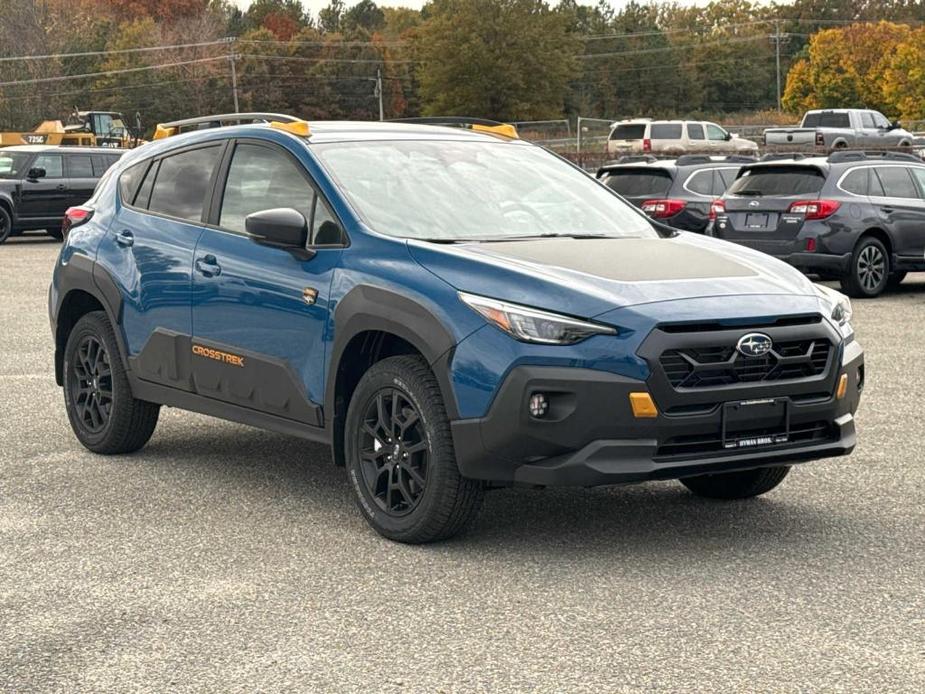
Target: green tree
x=502, y=59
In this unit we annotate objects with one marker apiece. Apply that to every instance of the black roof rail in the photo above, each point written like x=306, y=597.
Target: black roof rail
x=636, y=159
x=692, y=159
x=740, y=159
x=483, y=124
x=860, y=155
x=777, y=156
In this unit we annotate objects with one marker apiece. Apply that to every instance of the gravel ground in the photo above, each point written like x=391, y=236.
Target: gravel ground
x=223, y=558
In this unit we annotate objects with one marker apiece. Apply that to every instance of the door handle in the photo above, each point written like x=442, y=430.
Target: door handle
x=125, y=238
x=208, y=266
x=887, y=210
x=60, y=186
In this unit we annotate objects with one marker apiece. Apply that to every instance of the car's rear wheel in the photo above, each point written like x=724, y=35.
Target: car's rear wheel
x=869, y=270
x=400, y=458
x=104, y=415
x=6, y=225
x=737, y=485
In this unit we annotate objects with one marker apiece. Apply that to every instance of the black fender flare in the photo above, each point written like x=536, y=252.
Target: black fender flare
x=368, y=308
x=81, y=273
x=6, y=200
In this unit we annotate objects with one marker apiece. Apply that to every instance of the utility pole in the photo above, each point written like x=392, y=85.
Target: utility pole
x=777, y=37
x=379, y=93
x=234, y=82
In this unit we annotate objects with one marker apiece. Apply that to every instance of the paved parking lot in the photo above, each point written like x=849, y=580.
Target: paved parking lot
x=223, y=558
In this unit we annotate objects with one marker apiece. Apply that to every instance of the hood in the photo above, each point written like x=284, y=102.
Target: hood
x=589, y=277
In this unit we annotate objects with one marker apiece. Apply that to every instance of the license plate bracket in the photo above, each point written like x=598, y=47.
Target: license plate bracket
x=752, y=423
x=756, y=220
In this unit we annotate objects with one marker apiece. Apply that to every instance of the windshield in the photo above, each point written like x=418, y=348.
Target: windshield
x=457, y=191
x=12, y=164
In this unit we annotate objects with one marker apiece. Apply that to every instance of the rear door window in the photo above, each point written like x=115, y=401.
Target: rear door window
x=639, y=183
x=828, y=119
x=665, y=131
x=856, y=182
x=79, y=166
x=897, y=182
x=694, y=131
x=629, y=131
x=701, y=182
x=183, y=181
x=782, y=181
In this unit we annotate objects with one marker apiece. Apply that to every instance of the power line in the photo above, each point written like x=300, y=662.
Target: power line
x=118, y=51
x=663, y=49
x=122, y=71
x=298, y=58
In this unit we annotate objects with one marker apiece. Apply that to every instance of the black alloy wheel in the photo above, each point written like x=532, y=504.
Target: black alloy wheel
x=91, y=389
x=393, y=452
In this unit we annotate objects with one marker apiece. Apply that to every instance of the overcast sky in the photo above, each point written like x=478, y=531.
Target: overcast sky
x=315, y=5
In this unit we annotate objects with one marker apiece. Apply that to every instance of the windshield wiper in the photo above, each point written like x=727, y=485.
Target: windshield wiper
x=552, y=235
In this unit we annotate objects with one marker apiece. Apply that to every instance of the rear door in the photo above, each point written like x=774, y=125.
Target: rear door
x=639, y=183
x=758, y=204
x=696, y=137
x=667, y=138
x=902, y=207
x=80, y=178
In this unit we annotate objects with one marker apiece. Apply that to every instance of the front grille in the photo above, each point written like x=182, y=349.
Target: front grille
x=712, y=441
x=721, y=365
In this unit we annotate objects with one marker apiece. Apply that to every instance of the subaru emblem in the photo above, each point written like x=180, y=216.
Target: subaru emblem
x=753, y=203
x=754, y=345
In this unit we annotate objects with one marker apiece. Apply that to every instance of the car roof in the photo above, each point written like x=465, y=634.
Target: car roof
x=62, y=148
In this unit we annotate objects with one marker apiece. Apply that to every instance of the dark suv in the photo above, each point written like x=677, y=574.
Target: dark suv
x=677, y=192
x=853, y=216
x=38, y=183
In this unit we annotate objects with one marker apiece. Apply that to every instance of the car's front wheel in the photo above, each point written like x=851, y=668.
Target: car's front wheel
x=737, y=485
x=400, y=458
x=104, y=415
x=6, y=225
x=869, y=271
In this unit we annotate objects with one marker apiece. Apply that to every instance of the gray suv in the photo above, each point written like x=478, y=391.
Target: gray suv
x=853, y=216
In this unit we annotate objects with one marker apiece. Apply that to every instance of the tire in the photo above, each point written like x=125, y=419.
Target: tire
x=869, y=271
x=407, y=486
x=895, y=279
x=6, y=225
x=104, y=415
x=737, y=485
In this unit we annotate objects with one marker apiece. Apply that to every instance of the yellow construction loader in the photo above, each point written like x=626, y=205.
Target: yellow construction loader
x=83, y=129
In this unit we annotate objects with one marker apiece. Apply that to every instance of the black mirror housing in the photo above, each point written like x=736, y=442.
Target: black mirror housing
x=281, y=226
x=36, y=172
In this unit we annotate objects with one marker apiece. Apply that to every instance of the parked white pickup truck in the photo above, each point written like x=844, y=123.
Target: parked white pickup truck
x=839, y=128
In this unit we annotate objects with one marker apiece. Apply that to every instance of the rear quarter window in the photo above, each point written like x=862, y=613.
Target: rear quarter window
x=639, y=182
x=632, y=131
x=856, y=182
x=701, y=182
x=665, y=131
x=782, y=181
x=129, y=181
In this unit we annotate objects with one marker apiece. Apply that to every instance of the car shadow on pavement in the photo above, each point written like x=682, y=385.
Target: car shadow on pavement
x=645, y=518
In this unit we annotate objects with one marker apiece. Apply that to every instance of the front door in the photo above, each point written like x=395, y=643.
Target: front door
x=44, y=199
x=260, y=313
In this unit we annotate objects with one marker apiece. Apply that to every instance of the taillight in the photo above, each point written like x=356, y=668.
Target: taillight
x=646, y=144
x=815, y=209
x=74, y=217
x=717, y=207
x=663, y=208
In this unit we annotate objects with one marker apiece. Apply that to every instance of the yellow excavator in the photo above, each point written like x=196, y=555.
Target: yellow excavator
x=82, y=129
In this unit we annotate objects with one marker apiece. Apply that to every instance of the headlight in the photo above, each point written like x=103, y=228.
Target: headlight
x=529, y=325
x=840, y=307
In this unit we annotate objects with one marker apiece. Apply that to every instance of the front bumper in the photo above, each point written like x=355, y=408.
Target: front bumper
x=591, y=438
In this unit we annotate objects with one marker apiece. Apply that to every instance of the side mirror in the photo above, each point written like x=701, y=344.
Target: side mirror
x=35, y=173
x=728, y=137
x=895, y=125
x=282, y=226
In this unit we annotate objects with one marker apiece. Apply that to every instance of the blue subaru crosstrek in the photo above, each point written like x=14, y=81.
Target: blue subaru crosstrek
x=451, y=309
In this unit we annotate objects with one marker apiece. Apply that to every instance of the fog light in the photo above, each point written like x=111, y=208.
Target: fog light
x=643, y=406
x=842, y=387
x=539, y=405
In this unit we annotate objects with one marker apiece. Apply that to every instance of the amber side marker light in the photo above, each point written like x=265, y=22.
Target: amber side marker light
x=643, y=406
x=842, y=387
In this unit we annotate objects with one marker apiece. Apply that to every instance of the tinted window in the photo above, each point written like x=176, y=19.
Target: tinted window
x=102, y=163
x=130, y=180
x=79, y=166
x=727, y=176
x=897, y=182
x=856, y=182
x=144, y=192
x=834, y=120
x=665, y=131
x=52, y=163
x=183, y=182
x=694, y=131
x=701, y=182
x=782, y=181
x=634, y=131
x=261, y=178
x=920, y=175
x=639, y=182
x=714, y=132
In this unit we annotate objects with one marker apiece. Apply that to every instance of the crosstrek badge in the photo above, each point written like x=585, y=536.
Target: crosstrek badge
x=218, y=355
